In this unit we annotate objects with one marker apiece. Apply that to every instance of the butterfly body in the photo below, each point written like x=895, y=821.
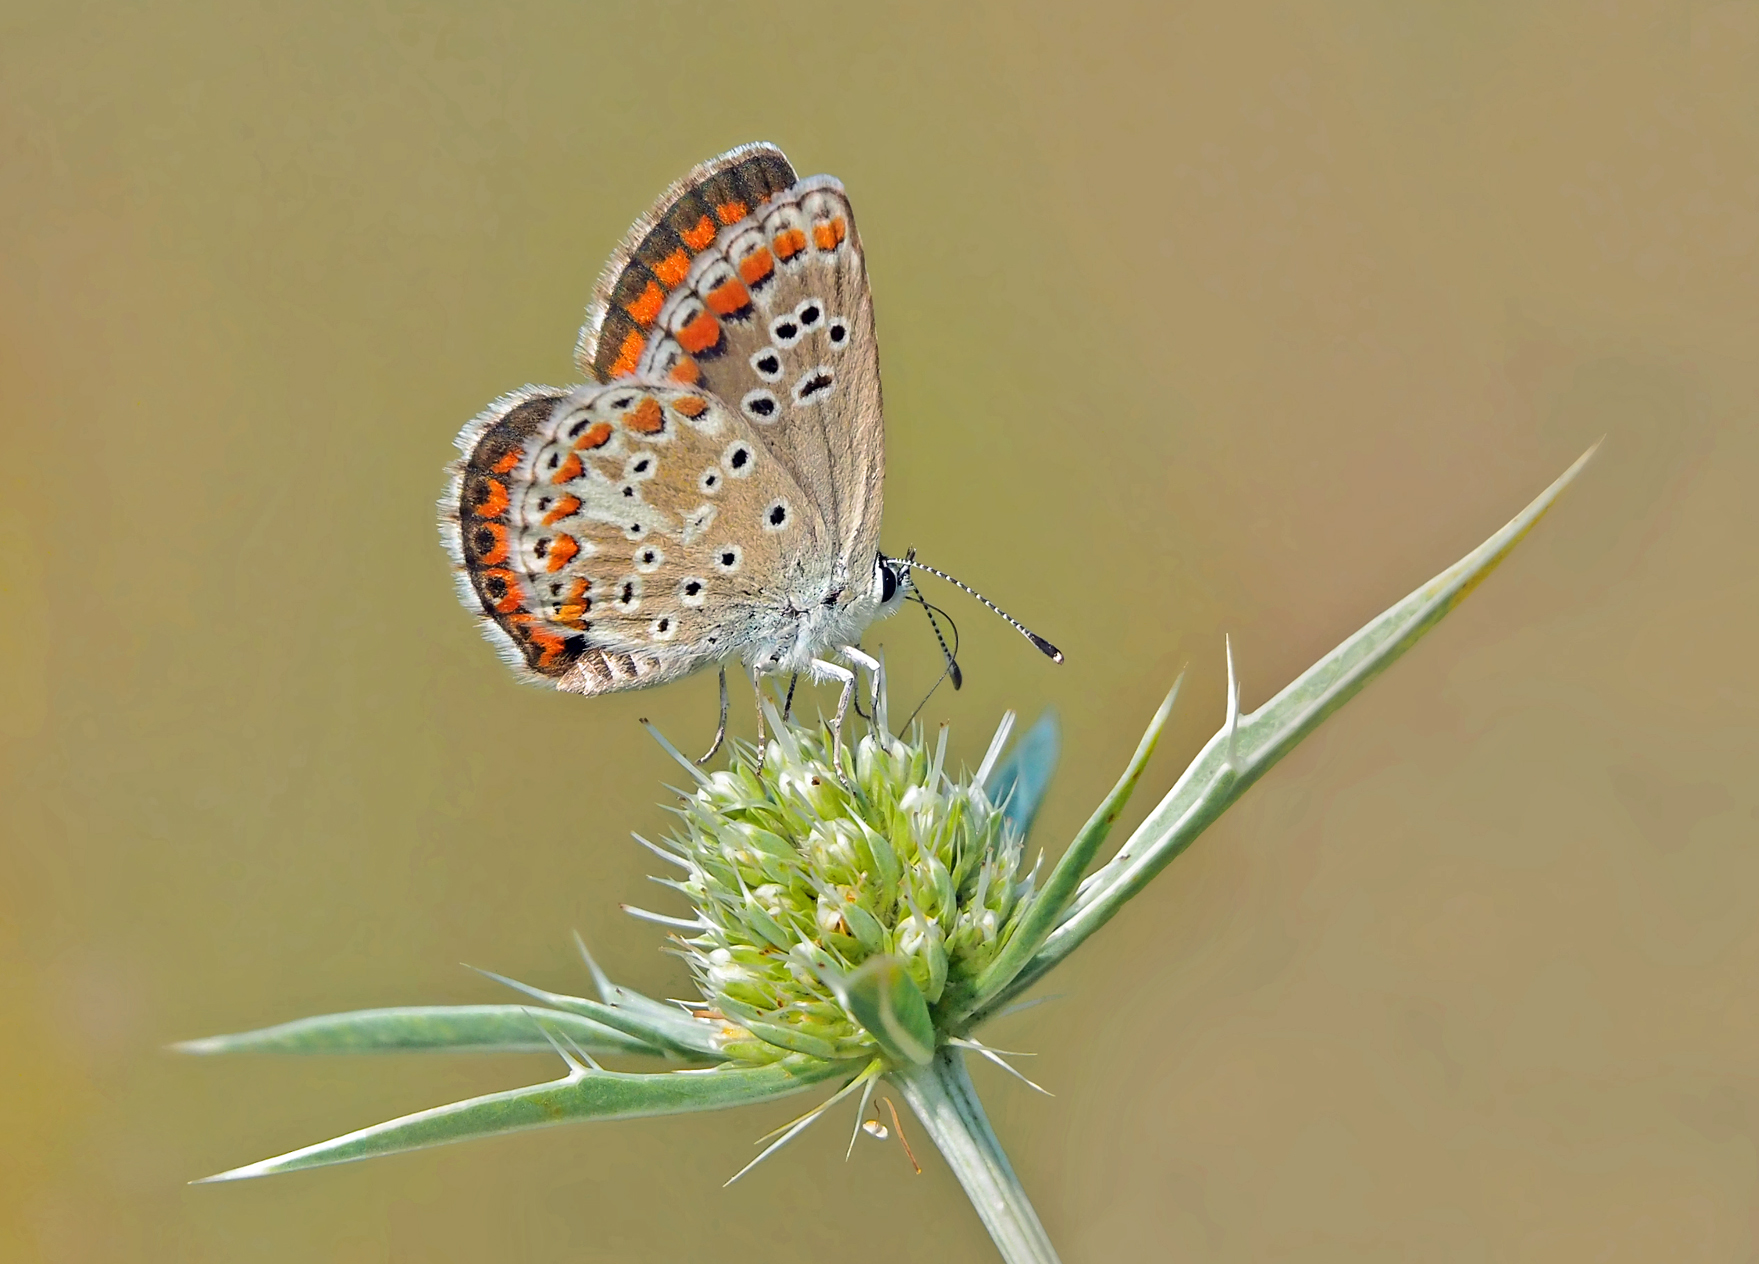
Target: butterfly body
x=713, y=492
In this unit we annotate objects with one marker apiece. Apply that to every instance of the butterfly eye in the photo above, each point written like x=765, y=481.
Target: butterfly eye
x=888, y=583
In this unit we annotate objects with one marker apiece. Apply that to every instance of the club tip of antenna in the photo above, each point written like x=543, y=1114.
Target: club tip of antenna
x=1050, y=651
x=955, y=675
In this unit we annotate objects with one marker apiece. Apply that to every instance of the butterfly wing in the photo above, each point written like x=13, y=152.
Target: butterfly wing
x=753, y=285
x=777, y=320
x=656, y=253
x=621, y=535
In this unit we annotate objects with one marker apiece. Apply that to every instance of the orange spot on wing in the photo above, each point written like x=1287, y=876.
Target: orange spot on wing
x=686, y=371
x=646, y=417
x=757, y=266
x=728, y=297
x=571, y=470
x=731, y=212
x=494, y=500
x=564, y=509
x=700, y=334
x=829, y=236
x=508, y=583
x=788, y=243
x=596, y=435
x=576, y=604
x=496, y=553
x=562, y=551
x=699, y=237
x=552, y=645
x=672, y=268
x=628, y=354
x=505, y=464
x=644, y=309
x=691, y=405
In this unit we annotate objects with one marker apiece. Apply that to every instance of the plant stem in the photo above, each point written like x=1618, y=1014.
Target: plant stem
x=944, y=1100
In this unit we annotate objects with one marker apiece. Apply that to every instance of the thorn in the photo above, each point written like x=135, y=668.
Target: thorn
x=669, y=857
x=866, y=1096
x=608, y=992
x=800, y=1125
x=660, y=919
x=700, y=776
x=986, y=1052
x=994, y=753
x=575, y=1069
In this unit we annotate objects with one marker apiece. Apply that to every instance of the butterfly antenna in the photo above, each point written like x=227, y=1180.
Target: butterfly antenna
x=952, y=667
x=1045, y=647
x=951, y=655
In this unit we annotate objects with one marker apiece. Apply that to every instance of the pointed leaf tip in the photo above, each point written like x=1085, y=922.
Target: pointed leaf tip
x=1248, y=745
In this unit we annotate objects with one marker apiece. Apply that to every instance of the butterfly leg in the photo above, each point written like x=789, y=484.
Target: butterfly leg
x=875, y=673
x=847, y=677
x=721, y=731
x=762, y=739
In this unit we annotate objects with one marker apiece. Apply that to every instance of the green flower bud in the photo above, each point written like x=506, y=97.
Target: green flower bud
x=799, y=876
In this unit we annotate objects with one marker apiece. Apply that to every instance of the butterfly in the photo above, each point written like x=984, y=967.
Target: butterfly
x=712, y=492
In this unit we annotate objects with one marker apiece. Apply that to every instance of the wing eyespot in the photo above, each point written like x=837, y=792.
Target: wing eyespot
x=767, y=364
x=760, y=405
x=739, y=458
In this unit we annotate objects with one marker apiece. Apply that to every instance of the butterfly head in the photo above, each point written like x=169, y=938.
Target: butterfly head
x=891, y=583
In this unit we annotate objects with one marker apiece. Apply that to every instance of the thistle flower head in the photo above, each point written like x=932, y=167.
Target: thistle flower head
x=801, y=873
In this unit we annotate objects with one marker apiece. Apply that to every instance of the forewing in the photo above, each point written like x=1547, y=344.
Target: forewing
x=776, y=319
x=613, y=536
x=656, y=253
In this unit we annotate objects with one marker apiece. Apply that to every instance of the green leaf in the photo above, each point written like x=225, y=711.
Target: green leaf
x=1048, y=906
x=584, y=1093
x=663, y=1030
x=1248, y=745
x=886, y=1001
x=1020, y=782
x=463, y=1028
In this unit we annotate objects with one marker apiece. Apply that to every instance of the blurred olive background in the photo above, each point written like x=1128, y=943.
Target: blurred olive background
x=1197, y=319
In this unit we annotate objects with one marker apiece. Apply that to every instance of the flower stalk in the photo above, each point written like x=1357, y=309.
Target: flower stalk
x=943, y=1098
